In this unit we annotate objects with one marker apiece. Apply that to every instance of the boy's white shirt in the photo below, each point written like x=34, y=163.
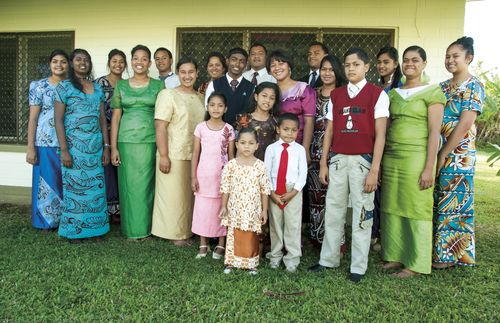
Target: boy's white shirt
x=297, y=164
x=381, y=107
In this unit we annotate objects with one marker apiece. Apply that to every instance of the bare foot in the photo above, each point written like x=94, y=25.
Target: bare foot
x=443, y=265
x=392, y=265
x=183, y=243
x=405, y=273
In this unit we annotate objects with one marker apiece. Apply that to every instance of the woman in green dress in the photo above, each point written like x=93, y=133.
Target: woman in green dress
x=409, y=169
x=133, y=144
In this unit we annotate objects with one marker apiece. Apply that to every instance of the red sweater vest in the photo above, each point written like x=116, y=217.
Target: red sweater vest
x=354, y=121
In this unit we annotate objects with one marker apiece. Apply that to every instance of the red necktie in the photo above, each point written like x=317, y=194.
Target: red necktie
x=254, y=79
x=281, y=181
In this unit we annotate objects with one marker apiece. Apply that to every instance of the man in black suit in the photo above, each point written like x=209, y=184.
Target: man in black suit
x=315, y=54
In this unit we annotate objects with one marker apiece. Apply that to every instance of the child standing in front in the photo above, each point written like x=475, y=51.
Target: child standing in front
x=355, y=133
x=245, y=187
x=286, y=163
x=261, y=115
x=213, y=147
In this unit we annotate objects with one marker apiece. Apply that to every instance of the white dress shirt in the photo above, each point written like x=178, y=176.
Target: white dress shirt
x=171, y=80
x=263, y=76
x=381, y=107
x=210, y=87
x=296, y=172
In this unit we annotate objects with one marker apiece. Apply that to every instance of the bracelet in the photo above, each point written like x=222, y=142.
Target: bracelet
x=107, y=146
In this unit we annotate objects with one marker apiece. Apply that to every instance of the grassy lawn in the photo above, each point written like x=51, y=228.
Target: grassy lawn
x=44, y=278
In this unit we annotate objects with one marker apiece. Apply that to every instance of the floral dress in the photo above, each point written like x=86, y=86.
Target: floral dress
x=266, y=131
x=454, y=239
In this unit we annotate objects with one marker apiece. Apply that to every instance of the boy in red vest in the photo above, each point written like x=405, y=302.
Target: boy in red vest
x=355, y=135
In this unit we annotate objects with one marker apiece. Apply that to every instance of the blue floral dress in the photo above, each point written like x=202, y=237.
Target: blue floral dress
x=85, y=210
x=46, y=180
x=454, y=240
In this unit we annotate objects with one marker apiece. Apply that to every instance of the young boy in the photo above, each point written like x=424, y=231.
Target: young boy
x=355, y=134
x=286, y=164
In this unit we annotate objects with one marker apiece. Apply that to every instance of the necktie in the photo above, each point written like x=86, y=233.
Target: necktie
x=254, y=79
x=234, y=84
x=281, y=181
x=353, y=91
x=313, y=79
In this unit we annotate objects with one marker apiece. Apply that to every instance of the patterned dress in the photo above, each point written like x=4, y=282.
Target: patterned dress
x=244, y=184
x=213, y=157
x=266, y=131
x=85, y=210
x=454, y=240
x=317, y=191
x=47, y=195
x=110, y=171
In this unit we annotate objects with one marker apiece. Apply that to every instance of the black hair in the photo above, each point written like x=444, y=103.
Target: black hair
x=163, y=49
x=237, y=50
x=258, y=45
x=56, y=52
x=220, y=56
x=467, y=44
x=288, y=116
x=186, y=60
x=421, y=52
x=141, y=47
x=338, y=70
x=317, y=43
x=394, y=55
x=215, y=94
x=252, y=103
x=246, y=130
x=360, y=52
x=71, y=72
x=118, y=52
x=280, y=56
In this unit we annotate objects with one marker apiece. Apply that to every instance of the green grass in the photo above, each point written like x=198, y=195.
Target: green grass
x=43, y=278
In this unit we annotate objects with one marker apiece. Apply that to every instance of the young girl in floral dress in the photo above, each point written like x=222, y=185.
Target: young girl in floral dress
x=213, y=147
x=245, y=187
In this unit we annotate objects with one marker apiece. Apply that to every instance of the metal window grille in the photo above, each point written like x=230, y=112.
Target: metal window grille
x=198, y=42
x=23, y=58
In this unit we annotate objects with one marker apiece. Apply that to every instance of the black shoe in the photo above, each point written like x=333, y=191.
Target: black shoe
x=356, y=278
x=317, y=268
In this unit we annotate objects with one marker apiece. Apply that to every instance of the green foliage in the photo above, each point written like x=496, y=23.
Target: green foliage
x=45, y=279
x=488, y=123
x=495, y=156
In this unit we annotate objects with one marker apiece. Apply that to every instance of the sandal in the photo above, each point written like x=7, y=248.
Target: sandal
x=216, y=255
x=202, y=254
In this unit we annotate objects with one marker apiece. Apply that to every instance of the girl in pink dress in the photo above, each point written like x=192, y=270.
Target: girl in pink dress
x=213, y=147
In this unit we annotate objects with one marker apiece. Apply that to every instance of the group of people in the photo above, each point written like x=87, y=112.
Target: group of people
x=249, y=156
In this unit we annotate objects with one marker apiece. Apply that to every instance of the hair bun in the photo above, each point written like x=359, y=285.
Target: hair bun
x=465, y=40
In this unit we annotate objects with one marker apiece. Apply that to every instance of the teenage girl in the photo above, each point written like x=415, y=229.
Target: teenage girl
x=388, y=68
x=213, y=147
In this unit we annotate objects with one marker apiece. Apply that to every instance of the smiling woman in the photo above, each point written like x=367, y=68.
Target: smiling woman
x=177, y=113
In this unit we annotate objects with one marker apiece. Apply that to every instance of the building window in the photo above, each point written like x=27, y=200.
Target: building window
x=24, y=58
x=198, y=42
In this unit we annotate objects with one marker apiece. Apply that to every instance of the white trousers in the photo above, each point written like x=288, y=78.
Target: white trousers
x=347, y=174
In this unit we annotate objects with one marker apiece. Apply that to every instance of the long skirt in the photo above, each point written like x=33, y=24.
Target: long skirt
x=85, y=209
x=242, y=249
x=47, y=191
x=136, y=176
x=206, y=222
x=317, y=196
x=407, y=241
x=173, y=203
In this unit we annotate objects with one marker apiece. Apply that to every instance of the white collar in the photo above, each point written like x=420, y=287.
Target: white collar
x=229, y=78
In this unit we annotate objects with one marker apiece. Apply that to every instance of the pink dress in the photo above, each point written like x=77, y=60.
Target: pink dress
x=301, y=101
x=213, y=157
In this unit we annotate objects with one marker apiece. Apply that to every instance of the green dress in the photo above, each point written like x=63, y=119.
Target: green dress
x=406, y=222
x=137, y=147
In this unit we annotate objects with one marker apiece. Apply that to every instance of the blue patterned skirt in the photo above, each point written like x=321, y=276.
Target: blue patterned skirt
x=46, y=194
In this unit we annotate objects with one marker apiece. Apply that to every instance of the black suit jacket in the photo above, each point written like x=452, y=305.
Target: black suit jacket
x=318, y=83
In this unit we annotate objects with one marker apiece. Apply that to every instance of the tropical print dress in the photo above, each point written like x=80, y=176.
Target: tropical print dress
x=454, y=240
x=266, y=131
x=85, y=210
x=47, y=188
